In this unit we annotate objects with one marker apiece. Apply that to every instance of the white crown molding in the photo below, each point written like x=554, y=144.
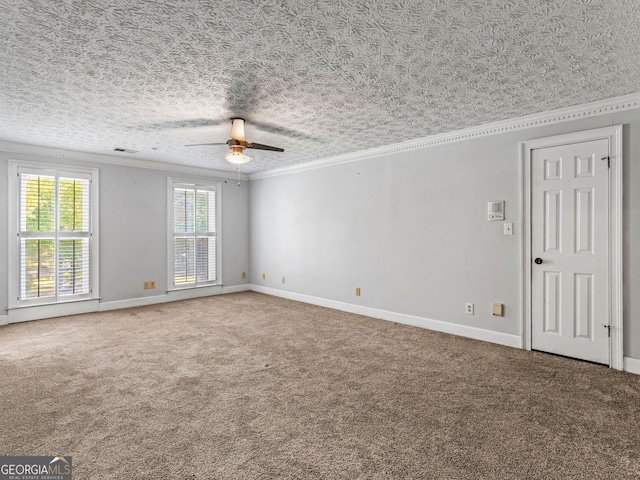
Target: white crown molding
x=603, y=107
x=26, y=149
x=613, y=105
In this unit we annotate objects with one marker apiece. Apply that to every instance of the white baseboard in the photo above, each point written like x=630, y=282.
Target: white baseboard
x=133, y=302
x=237, y=289
x=39, y=312
x=172, y=296
x=462, y=330
x=632, y=365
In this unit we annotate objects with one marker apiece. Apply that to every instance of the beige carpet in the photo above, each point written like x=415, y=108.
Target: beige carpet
x=248, y=386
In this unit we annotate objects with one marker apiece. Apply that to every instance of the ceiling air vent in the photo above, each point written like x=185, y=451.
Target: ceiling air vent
x=124, y=150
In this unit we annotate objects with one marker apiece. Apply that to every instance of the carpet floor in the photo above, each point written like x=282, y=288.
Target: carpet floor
x=249, y=386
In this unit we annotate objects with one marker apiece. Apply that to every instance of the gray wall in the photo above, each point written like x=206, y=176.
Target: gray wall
x=133, y=228
x=410, y=230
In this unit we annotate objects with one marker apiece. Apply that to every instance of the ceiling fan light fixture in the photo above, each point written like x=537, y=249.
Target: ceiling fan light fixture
x=237, y=158
x=237, y=129
x=237, y=143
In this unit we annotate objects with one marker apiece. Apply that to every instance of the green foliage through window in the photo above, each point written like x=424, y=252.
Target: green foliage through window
x=54, y=236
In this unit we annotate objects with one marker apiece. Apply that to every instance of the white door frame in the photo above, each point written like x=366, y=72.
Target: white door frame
x=614, y=135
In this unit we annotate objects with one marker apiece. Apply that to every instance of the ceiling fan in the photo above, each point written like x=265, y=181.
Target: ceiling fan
x=237, y=143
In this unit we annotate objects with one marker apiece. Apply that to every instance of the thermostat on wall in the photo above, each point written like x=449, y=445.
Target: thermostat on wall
x=495, y=210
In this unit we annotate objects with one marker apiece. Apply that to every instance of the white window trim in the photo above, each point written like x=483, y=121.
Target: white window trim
x=173, y=182
x=44, y=308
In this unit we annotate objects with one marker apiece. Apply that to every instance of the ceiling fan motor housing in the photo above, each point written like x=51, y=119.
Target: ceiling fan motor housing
x=237, y=143
x=234, y=143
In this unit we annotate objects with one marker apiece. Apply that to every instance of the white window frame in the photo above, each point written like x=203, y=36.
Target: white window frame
x=173, y=183
x=15, y=168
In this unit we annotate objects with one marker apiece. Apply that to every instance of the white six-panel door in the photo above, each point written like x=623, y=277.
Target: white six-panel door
x=569, y=250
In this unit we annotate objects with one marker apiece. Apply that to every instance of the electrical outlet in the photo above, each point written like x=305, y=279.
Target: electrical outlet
x=149, y=285
x=468, y=308
x=264, y=276
x=244, y=274
x=282, y=279
x=357, y=291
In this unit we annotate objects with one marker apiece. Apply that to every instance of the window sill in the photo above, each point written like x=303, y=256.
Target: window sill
x=48, y=304
x=194, y=287
x=25, y=313
x=185, y=293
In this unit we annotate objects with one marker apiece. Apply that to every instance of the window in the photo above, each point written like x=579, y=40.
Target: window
x=193, y=217
x=54, y=250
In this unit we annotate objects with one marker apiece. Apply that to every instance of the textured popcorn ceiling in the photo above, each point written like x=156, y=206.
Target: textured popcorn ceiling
x=317, y=78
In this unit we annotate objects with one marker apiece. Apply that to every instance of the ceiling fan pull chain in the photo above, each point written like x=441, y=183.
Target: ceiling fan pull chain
x=238, y=176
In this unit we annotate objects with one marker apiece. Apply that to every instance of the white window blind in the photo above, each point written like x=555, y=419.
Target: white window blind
x=194, y=234
x=54, y=235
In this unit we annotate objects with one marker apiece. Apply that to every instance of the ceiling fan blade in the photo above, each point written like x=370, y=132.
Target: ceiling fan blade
x=200, y=144
x=287, y=132
x=193, y=123
x=260, y=146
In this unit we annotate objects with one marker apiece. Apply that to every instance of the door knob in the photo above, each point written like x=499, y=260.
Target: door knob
x=538, y=261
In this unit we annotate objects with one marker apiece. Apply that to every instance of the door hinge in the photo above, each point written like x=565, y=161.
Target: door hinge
x=608, y=327
x=608, y=159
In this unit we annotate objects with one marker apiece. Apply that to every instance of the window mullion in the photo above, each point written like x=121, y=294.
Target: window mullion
x=61, y=235
x=196, y=243
x=56, y=229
